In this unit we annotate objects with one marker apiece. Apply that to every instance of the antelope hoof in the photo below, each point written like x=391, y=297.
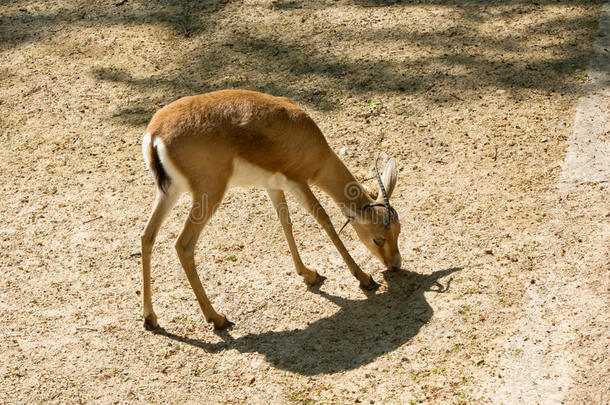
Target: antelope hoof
x=150, y=322
x=371, y=285
x=223, y=323
x=318, y=281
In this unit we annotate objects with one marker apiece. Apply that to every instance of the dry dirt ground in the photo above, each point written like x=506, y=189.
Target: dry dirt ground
x=504, y=292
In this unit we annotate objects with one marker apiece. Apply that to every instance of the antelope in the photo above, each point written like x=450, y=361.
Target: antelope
x=207, y=143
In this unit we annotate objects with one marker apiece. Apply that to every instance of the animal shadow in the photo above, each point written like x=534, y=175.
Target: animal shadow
x=357, y=334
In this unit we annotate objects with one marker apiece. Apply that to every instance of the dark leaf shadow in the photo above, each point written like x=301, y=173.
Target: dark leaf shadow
x=357, y=334
x=459, y=62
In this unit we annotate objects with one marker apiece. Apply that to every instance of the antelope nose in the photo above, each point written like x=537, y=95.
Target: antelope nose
x=396, y=261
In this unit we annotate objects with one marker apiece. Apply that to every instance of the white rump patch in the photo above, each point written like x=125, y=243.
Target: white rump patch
x=146, y=149
x=178, y=183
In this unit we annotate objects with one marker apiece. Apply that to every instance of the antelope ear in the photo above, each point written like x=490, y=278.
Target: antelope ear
x=388, y=178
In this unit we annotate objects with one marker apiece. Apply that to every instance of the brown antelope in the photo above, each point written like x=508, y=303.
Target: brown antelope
x=204, y=144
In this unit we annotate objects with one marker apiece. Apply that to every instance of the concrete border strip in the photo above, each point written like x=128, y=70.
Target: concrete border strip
x=587, y=159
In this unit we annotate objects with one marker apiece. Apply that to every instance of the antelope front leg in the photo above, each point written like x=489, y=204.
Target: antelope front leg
x=278, y=199
x=311, y=203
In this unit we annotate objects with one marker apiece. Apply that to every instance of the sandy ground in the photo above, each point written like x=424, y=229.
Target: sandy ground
x=504, y=295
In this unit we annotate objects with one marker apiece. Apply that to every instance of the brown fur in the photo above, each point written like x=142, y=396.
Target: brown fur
x=265, y=130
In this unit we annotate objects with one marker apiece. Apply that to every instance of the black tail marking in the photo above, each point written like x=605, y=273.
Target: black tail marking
x=161, y=177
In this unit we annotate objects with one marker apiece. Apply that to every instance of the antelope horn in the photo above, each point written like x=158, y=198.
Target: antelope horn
x=381, y=187
x=385, y=195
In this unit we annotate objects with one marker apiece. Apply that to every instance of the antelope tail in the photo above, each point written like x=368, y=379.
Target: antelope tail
x=154, y=164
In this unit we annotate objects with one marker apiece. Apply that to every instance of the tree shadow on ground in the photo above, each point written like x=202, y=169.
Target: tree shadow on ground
x=357, y=334
x=458, y=60
x=29, y=24
x=461, y=62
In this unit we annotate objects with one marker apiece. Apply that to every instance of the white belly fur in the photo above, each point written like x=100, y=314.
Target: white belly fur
x=246, y=174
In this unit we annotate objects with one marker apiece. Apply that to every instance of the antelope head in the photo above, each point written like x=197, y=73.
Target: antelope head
x=377, y=224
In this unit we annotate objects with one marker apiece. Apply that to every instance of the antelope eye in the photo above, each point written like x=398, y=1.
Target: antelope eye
x=379, y=241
